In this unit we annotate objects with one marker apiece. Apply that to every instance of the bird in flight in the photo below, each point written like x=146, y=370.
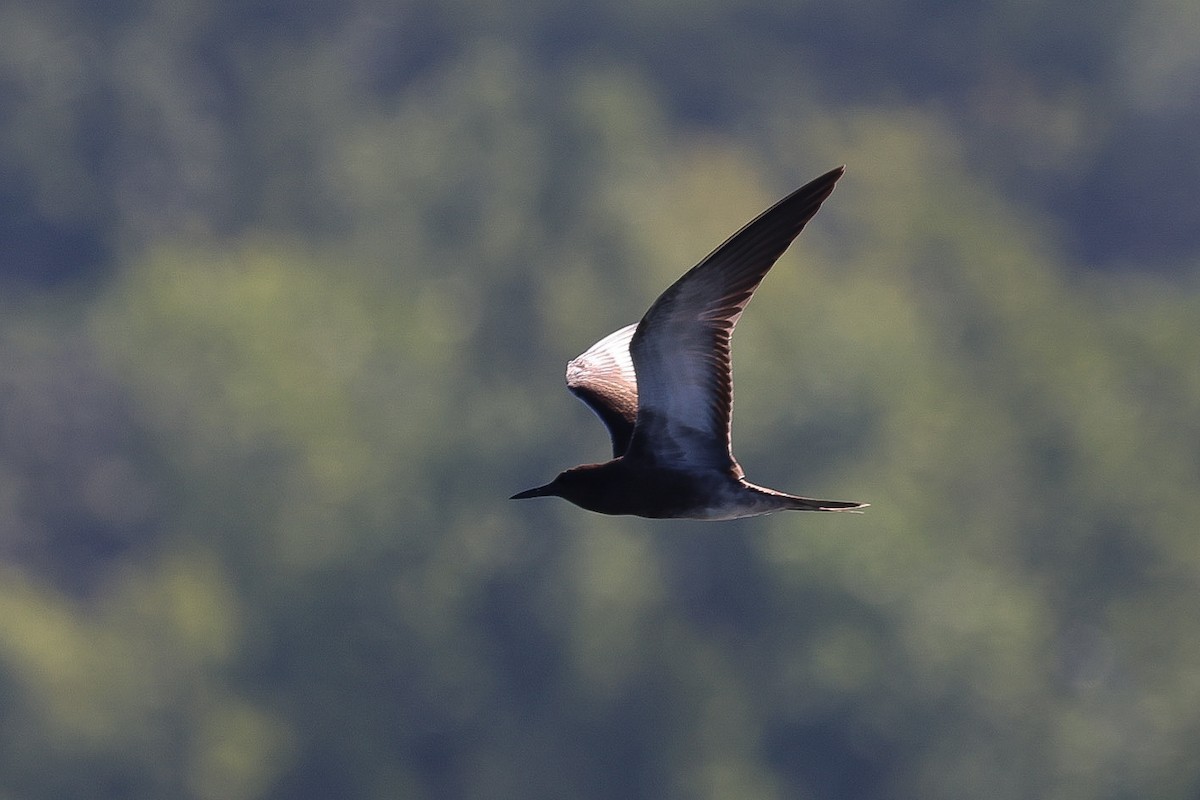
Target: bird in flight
x=664, y=388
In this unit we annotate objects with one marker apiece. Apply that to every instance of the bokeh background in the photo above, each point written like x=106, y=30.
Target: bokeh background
x=286, y=290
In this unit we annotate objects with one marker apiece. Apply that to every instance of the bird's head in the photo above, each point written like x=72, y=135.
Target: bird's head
x=548, y=490
x=576, y=485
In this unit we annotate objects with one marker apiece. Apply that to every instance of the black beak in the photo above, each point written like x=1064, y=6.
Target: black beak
x=539, y=491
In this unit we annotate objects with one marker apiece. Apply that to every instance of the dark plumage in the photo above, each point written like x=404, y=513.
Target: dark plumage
x=664, y=388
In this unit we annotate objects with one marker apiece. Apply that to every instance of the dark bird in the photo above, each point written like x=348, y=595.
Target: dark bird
x=664, y=388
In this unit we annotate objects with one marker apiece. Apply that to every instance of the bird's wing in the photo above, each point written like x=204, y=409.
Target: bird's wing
x=603, y=378
x=680, y=351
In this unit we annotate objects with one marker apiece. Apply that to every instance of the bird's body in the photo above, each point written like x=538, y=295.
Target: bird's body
x=623, y=486
x=664, y=388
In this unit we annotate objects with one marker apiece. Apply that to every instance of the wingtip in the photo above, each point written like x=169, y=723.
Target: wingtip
x=822, y=186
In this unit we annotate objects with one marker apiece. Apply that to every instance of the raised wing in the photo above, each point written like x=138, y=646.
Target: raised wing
x=603, y=378
x=680, y=350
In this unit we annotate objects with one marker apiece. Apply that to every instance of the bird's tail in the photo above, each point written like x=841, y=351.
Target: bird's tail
x=808, y=504
x=782, y=501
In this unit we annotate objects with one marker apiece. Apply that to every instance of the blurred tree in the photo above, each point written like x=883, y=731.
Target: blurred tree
x=85, y=486
x=252, y=479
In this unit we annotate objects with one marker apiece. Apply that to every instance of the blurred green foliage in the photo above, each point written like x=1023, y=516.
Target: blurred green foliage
x=286, y=295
